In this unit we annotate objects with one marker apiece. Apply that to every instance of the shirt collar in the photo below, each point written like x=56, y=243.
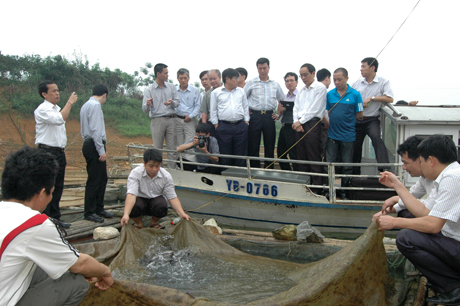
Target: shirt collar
x=451, y=166
x=346, y=92
x=159, y=175
x=188, y=88
x=294, y=93
x=155, y=84
x=259, y=80
x=376, y=80
x=225, y=88
x=52, y=105
x=313, y=85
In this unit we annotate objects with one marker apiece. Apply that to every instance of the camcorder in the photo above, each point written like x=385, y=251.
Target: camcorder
x=201, y=141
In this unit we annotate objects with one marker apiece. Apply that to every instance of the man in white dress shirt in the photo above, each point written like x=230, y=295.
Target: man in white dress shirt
x=51, y=137
x=431, y=240
x=375, y=91
x=230, y=116
x=309, y=108
x=410, y=158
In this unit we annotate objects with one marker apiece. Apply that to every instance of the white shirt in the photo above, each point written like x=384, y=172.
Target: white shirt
x=422, y=187
x=310, y=102
x=446, y=200
x=377, y=88
x=228, y=105
x=43, y=245
x=141, y=185
x=50, y=126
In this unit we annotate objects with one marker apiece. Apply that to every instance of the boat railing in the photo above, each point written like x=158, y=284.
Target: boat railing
x=252, y=173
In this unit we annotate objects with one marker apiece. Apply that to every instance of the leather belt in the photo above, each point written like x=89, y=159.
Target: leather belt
x=365, y=118
x=314, y=119
x=42, y=146
x=166, y=116
x=262, y=112
x=231, y=122
x=182, y=117
x=91, y=140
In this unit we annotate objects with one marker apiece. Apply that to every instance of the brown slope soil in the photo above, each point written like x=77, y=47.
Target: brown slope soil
x=11, y=140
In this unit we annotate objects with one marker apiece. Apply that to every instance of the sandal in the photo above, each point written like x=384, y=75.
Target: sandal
x=137, y=226
x=156, y=226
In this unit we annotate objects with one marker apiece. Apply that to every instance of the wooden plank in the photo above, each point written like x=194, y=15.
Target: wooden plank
x=67, y=201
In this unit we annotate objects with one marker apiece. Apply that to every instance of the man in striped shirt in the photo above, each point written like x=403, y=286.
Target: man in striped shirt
x=263, y=96
x=431, y=240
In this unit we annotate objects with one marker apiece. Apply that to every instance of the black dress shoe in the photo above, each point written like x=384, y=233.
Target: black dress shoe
x=105, y=214
x=448, y=298
x=94, y=218
x=64, y=225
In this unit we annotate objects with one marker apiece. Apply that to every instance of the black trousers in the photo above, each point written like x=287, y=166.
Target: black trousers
x=233, y=140
x=157, y=207
x=371, y=128
x=287, y=139
x=97, y=179
x=52, y=209
x=261, y=124
x=309, y=148
x=435, y=255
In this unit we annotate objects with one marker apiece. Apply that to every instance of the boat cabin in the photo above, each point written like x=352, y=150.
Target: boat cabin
x=402, y=121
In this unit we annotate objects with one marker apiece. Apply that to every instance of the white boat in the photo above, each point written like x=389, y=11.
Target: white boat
x=253, y=198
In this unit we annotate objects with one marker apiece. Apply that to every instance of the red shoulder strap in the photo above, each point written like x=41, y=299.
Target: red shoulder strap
x=35, y=220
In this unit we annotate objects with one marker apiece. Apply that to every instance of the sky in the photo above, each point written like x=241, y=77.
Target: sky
x=198, y=35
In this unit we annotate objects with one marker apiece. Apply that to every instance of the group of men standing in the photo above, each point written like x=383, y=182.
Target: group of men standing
x=235, y=111
x=327, y=126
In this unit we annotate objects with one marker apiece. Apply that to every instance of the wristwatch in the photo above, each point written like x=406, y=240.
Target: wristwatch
x=373, y=98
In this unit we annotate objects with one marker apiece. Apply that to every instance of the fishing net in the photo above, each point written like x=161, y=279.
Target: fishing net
x=200, y=266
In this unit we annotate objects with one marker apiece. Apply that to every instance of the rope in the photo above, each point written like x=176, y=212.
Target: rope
x=279, y=157
x=395, y=261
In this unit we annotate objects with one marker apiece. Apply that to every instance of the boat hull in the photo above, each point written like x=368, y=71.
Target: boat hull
x=277, y=203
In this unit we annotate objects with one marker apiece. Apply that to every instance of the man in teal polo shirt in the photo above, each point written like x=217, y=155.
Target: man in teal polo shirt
x=345, y=105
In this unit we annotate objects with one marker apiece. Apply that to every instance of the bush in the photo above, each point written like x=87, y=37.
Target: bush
x=20, y=76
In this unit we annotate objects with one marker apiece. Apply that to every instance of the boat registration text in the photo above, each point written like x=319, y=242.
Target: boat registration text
x=253, y=188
